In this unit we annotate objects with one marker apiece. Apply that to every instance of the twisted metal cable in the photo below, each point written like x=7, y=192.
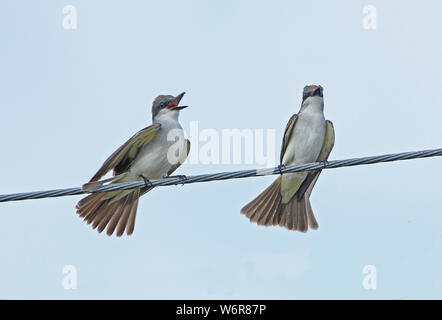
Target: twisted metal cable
x=227, y=175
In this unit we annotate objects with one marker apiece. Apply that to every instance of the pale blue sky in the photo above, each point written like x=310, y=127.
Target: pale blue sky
x=69, y=98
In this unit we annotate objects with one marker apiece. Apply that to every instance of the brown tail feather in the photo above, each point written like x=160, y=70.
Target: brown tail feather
x=270, y=218
x=131, y=223
x=261, y=207
x=98, y=214
x=88, y=211
x=114, y=211
x=308, y=206
x=87, y=201
x=108, y=211
x=250, y=209
x=118, y=213
x=267, y=209
x=311, y=217
x=129, y=216
x=125, y=215
x=302, y=214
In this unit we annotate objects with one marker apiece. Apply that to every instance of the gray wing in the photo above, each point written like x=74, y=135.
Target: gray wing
x=122, y=158
x=287, y=133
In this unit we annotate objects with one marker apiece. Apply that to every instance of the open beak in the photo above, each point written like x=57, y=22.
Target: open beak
x=174, y=104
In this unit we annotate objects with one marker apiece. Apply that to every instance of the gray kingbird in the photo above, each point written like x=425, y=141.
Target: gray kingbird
x=152, y=153
x=308, y=137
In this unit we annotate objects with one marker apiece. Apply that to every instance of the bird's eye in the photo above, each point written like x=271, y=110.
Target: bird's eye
x=162, y=104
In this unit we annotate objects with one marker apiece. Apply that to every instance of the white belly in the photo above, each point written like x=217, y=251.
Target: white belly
x=304, y=146
x=157, y=157
x=306, y=140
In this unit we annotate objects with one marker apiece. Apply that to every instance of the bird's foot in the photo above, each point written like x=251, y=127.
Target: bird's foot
x=280, y=168
x=325, y=163
x=146, y=181
x=182, y=178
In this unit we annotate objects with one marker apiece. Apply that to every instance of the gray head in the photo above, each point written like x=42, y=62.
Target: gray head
x=311, y=91
x=167, y=103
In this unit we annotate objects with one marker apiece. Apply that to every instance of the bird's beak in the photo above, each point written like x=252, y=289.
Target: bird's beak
x=174, y=105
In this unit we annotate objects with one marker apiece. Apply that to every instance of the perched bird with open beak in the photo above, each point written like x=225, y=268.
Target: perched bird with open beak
x=308, y=137
x=152, y=153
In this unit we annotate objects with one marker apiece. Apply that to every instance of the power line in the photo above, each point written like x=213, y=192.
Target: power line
x=227, y=175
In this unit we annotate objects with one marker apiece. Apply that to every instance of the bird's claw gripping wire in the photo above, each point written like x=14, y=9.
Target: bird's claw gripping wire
x=280, y=168
x=325, y=163
x=146, y=182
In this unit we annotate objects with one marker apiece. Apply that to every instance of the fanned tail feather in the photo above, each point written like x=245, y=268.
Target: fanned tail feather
x=115, y=210
x=266, y=209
